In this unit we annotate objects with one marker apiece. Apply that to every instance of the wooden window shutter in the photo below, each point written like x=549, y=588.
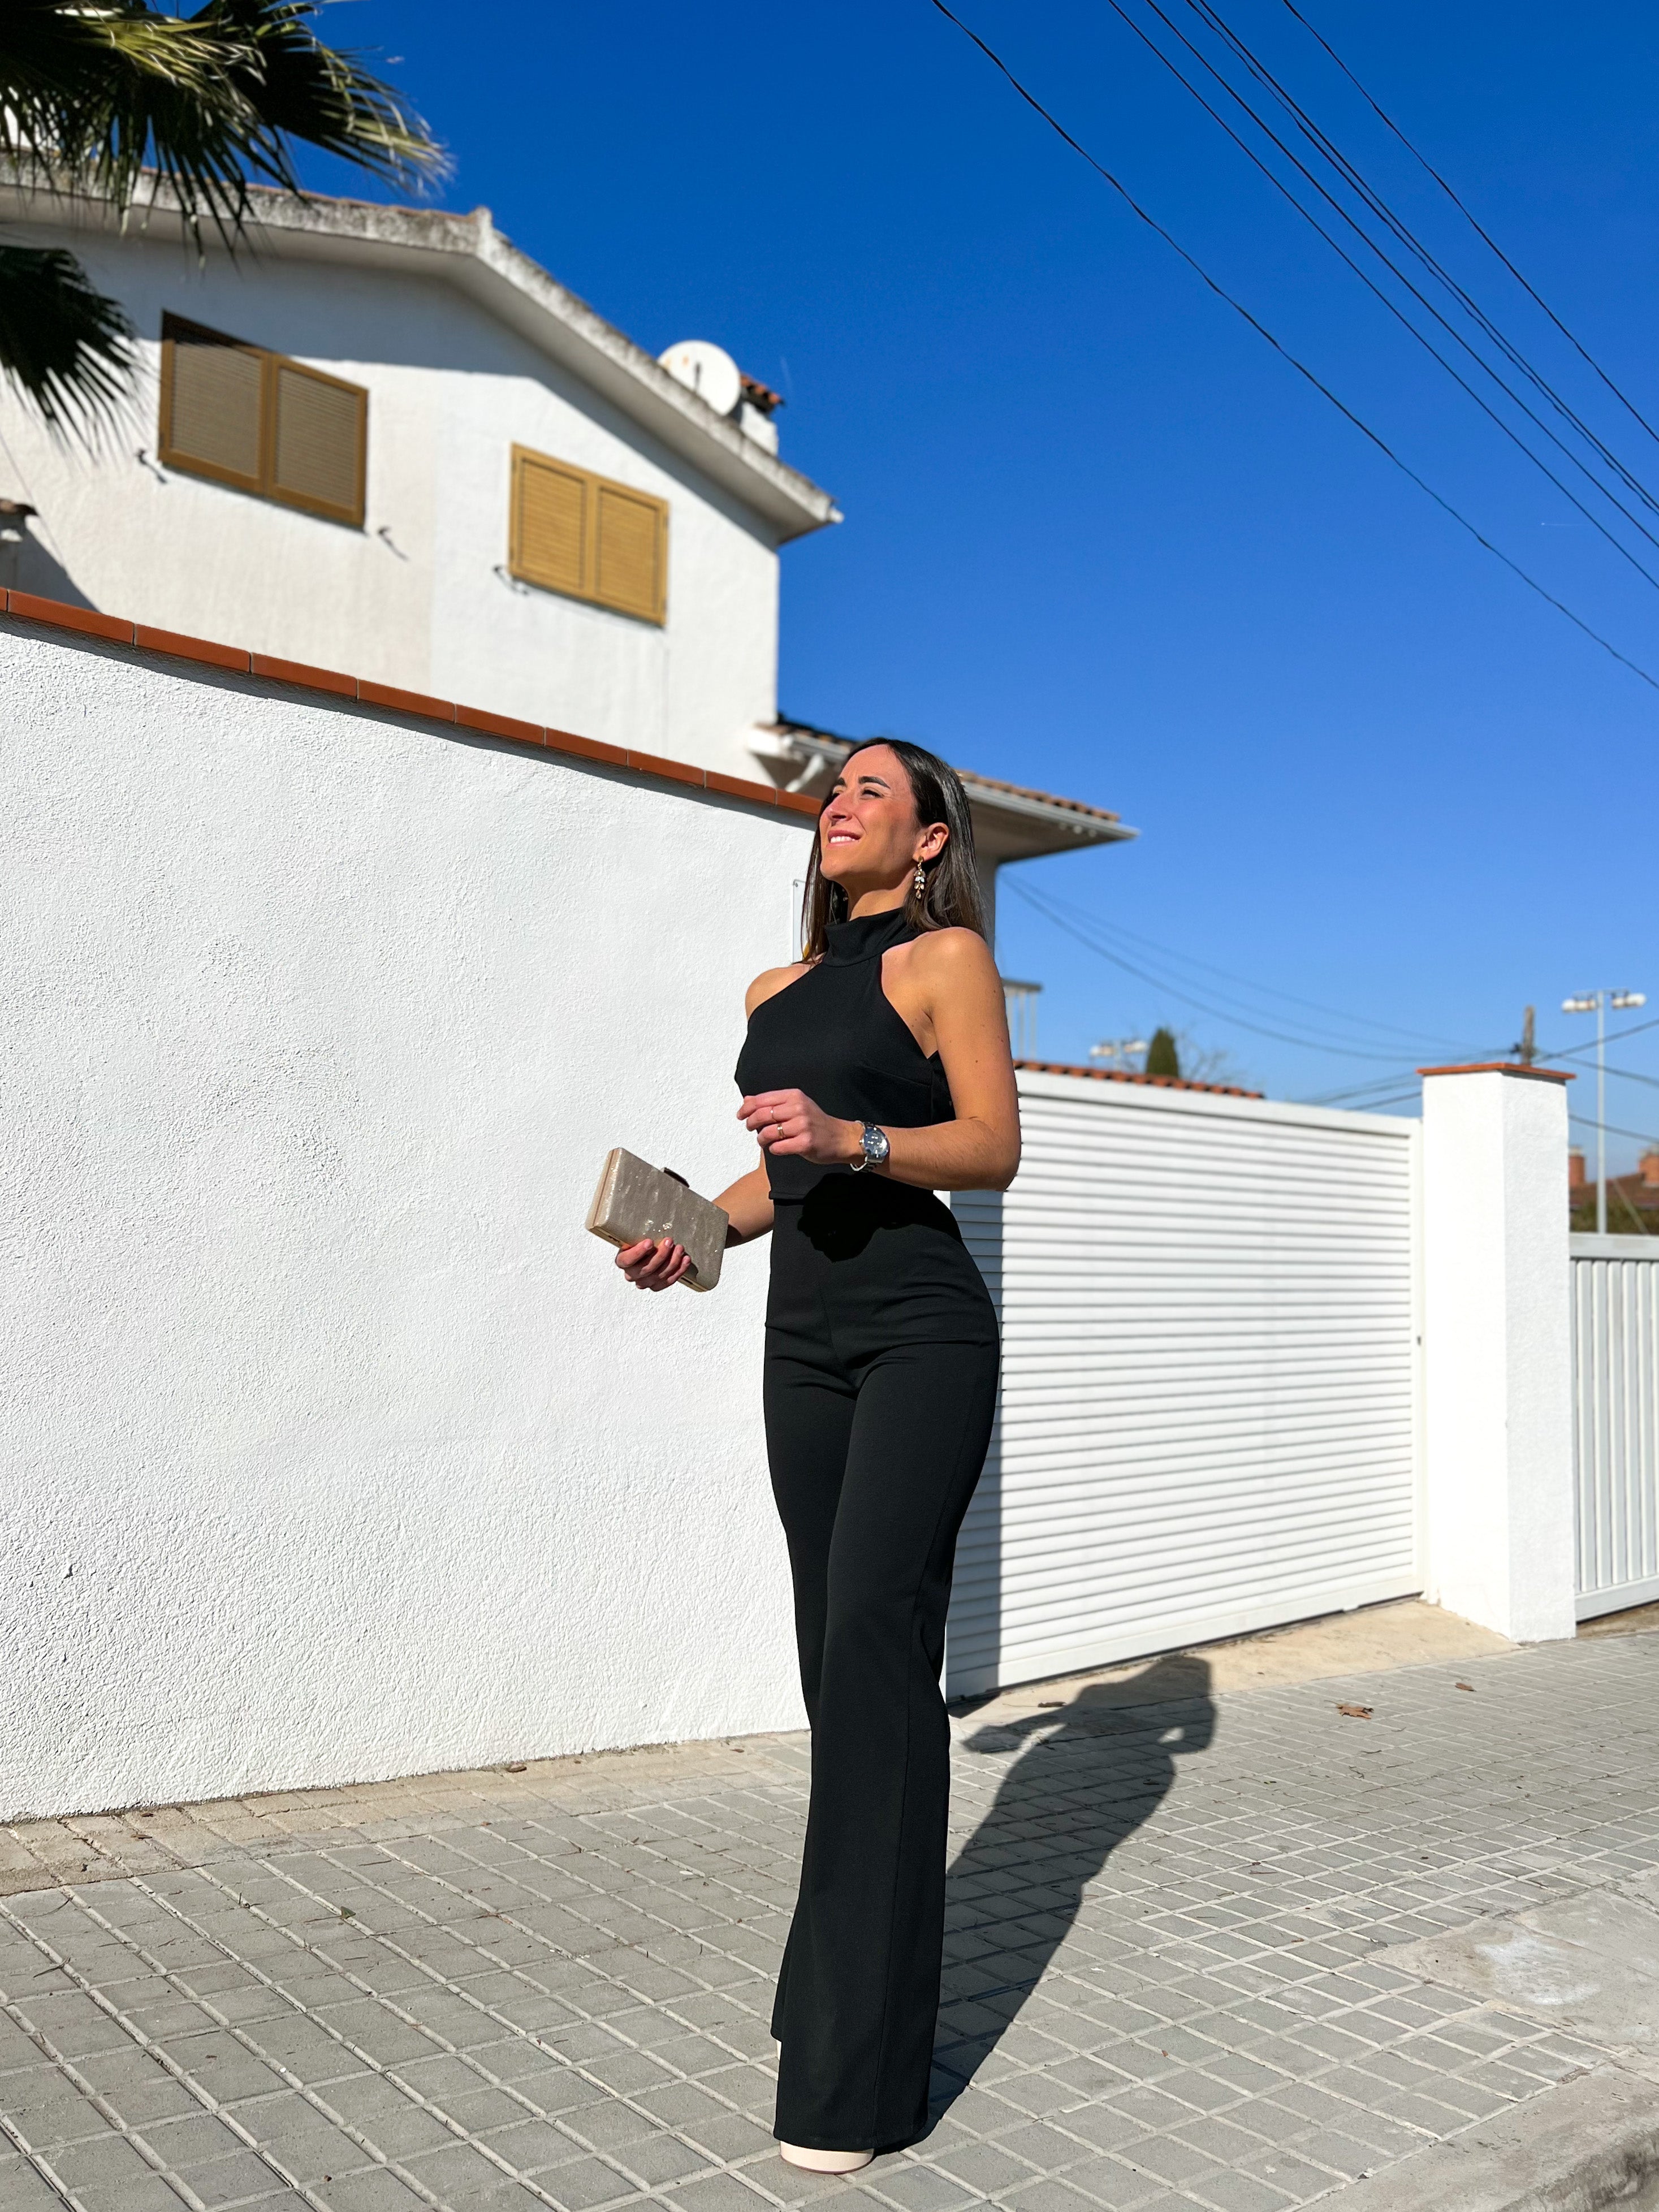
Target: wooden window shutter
x=318, y=441
x=632, y=533
x=570, y=531
x=550, y=524
x=212, y=404
x=244, y=416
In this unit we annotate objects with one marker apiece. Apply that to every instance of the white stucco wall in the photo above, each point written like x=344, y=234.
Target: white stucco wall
x=1498, y=1396
x=428, y=606
x=334, y=1446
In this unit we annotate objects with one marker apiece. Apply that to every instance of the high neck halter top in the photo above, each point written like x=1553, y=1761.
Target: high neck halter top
x=834, y=1034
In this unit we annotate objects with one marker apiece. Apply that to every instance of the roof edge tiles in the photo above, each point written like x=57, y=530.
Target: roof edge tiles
x=1128, y=1075
x=1020, y=798
x=468, y=252
x=86, y=622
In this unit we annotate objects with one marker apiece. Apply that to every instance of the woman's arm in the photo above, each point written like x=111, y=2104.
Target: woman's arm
x=749, y=1202
x=957, y=992
x=957, y=980
x=656, y=1265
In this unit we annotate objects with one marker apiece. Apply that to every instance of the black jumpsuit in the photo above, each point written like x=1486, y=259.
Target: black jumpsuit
x=881, y=1382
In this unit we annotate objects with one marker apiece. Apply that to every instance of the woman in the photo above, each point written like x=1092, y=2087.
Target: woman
x=875, y=1073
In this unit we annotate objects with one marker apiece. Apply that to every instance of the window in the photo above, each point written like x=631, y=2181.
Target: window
x=574, y=532
x=261, y=422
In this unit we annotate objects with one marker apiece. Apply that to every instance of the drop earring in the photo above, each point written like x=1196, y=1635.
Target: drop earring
x=921, y=881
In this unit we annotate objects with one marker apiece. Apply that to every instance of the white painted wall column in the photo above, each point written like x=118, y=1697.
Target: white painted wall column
x=1497, y=1349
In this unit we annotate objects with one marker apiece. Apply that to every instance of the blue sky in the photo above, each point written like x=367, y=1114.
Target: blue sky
x=1098, y=537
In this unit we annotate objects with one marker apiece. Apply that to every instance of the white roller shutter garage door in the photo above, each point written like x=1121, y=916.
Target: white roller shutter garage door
x=1209, y=1398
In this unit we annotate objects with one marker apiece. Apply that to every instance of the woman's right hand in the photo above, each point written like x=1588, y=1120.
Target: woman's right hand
x=653, y=1264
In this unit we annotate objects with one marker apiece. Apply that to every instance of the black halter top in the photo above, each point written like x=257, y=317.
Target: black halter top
x=834, y=1034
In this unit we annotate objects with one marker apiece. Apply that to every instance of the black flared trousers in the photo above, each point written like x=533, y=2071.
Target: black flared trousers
x=881, y=1382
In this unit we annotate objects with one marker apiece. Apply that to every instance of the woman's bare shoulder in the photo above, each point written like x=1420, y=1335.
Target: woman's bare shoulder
x=953, y=955
x=770, y=981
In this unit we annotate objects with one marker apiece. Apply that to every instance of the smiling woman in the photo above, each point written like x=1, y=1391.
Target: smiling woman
x=875, y=1072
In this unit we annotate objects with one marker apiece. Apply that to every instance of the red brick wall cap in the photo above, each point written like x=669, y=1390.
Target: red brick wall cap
x=1503, y=1067
x=191, y=648
x=303, y=676
x=61, y=616
x=88, y=621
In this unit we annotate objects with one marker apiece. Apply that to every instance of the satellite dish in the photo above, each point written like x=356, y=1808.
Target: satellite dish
x=708, y=370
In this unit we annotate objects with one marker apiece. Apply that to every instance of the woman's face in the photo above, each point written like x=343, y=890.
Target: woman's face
x=869, y=836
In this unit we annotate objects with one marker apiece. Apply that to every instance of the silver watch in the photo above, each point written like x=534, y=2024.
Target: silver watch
x=876, y=1149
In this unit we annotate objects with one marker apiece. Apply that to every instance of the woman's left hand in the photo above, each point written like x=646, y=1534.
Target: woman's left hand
x=791, y=1124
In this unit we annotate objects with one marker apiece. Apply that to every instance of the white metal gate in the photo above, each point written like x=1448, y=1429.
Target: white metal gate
x=1615, y=1388
x=1210, y=1369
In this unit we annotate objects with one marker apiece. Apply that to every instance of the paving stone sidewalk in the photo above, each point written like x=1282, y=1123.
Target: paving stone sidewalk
x=1172, y=1960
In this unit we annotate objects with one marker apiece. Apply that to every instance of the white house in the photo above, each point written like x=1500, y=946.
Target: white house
x=378, y=699
x=384, y=442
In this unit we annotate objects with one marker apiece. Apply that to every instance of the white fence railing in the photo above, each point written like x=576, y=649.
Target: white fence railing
x=1615, y=1368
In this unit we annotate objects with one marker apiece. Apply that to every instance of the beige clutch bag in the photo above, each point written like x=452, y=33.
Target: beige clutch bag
x=635, y=1200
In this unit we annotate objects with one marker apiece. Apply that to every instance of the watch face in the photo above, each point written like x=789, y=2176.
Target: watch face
x=875, y=1146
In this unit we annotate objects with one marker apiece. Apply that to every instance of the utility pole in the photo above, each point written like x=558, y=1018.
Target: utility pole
x=1527, y=1051
x=1596, y=1003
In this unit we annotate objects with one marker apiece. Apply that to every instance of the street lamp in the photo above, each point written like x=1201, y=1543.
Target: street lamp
x=1596, y=1003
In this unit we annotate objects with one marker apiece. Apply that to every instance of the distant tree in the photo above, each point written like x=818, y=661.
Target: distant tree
x=1623, y=1219
x=96, y=93
x=1210, y=1063
x=1163, y=1053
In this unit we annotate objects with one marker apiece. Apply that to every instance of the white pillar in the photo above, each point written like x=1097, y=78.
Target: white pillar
x=1498, y=1349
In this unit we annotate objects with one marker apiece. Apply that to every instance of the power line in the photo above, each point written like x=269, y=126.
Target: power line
x=1614, y=1036
x=1064, y=913
x=1358, y=184
x=1576, y=1052
x=1084, y=937
x=1376, y=1105
x=1631, y=409
x=1394, y=307
x=1170, y=990
x=1285, y=353
x=1613, y=1129
x=1360, y=1094
x=1362, y=1098
x=1416, y=1039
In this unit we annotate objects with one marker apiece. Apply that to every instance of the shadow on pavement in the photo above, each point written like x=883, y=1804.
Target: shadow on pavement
x=1091, y=1773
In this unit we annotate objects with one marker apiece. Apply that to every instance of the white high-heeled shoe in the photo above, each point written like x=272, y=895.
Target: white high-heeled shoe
x=825, y=2161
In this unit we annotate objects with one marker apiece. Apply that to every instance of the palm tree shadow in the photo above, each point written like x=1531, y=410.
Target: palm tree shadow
x=1092, y=1772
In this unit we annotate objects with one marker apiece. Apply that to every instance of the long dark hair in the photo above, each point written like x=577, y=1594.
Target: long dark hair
x=951, y=899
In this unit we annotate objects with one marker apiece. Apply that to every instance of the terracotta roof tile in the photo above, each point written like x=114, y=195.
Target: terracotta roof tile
x=1128, y=1075
x=788, y=728
x=1048, y=797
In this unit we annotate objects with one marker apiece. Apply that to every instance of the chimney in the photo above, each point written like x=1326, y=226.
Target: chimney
x=1648, y=1164
x=1576, y=1169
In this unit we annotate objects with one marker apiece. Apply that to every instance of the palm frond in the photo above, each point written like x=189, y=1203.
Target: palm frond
x=63, y=345
x=307, y=92
x=97, y=94
x=94, y=93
